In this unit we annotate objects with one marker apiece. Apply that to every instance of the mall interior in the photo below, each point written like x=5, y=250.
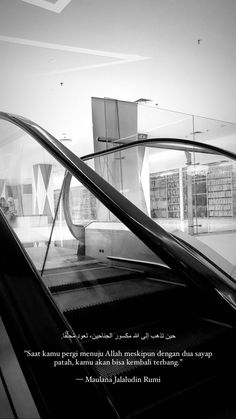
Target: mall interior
x=117, y=209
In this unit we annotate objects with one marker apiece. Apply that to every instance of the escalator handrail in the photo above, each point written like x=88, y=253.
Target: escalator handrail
x=171, y=251
x=197, y=147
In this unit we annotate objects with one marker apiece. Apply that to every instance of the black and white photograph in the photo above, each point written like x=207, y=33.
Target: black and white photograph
x=117, y=209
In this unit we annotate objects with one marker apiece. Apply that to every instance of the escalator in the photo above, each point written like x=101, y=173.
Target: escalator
x=152, y=319
x=134, y=308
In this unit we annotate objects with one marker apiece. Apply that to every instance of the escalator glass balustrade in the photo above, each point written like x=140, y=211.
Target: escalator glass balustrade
x=188, y=188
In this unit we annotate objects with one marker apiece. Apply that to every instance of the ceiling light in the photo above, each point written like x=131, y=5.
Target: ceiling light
x=142, y=100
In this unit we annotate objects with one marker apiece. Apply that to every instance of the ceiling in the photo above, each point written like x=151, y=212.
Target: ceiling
x=57, y=54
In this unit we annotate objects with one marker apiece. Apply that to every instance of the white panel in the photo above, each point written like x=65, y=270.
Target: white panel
x=145, y=181
x=41, y=193
x=56, y=7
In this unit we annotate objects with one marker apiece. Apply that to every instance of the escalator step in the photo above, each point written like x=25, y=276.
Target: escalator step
x=79, y=277
x=108, y=293
x=122, y=305
x=189, y=337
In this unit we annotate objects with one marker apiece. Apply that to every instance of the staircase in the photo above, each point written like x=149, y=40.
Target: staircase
x=133, y=316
